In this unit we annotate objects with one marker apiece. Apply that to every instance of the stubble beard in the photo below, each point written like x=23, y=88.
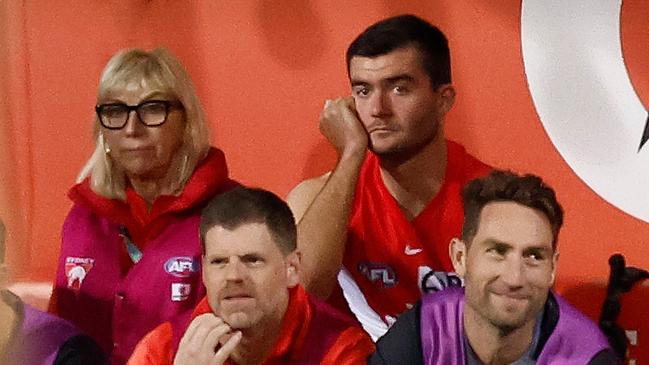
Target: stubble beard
x=504, y=325
x=240, y=321
x=492, y=316
x=403, y=151
x=505, y=330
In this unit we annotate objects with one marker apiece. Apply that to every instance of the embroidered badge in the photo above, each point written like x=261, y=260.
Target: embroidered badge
x=378, y=272
x=76, y=270
x=182, y=266
x=180, y=291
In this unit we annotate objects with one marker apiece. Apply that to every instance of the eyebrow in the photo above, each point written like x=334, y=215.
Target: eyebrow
x=537, y=248
x=389, y=80
x=540, y=249
x=250, y=256
x=356, y=83
x=399, y=78
x=495, y=242
x=255, y=253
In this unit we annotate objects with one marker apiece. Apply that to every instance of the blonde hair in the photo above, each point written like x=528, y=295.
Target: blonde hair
x=157, y=68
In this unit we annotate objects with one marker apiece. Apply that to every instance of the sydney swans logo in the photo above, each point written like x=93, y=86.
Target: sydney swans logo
x=583, y=94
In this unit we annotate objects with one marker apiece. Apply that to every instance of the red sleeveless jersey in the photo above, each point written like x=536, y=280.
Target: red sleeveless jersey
x=392, y=259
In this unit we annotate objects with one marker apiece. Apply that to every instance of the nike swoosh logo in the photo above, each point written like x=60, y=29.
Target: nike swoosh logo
x=411, y=251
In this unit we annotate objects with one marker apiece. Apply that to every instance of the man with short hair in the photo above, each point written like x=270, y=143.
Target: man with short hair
x=507, y=313
x=388, y=209
x=255, y=311
x=30, y=336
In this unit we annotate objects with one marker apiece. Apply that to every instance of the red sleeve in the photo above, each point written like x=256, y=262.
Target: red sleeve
x=154, y=348
x=352, y=347
x=52, y=305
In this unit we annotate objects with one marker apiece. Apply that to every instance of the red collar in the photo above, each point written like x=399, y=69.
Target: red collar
x=209, y=178
x=295, y=325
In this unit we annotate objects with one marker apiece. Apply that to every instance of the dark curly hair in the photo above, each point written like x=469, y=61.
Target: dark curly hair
x=403, y=31
x=527, y=190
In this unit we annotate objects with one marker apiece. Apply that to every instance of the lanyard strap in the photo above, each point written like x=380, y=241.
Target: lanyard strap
x=133, y=251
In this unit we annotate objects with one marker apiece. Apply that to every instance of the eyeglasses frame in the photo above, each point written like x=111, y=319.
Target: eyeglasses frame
x=130, y=108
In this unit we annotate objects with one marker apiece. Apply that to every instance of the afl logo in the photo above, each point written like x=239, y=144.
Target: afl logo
x=585, y=98
x=378, y=273
x=182, y=266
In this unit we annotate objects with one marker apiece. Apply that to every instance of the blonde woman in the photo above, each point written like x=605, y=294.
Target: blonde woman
x=130, y=255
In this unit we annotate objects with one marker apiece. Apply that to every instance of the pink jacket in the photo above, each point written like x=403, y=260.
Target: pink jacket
x=115, y=301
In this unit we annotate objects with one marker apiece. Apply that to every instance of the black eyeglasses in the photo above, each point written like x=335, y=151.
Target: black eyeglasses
x=151, y=113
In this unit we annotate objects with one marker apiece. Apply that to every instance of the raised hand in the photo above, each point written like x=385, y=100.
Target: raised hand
x=340, y=124
x=198, y=345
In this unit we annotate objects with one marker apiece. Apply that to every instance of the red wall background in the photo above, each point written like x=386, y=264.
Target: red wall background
x=263, y=70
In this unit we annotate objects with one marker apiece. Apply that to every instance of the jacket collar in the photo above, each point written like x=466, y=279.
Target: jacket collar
x=209, y=177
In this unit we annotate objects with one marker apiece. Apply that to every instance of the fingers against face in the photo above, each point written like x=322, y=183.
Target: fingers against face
x=199, y=342
x=339, y=108
x=340, y=124
x=226, y=350
x=199, y=328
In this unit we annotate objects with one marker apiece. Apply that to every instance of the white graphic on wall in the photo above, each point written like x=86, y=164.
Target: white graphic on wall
x=583, y=95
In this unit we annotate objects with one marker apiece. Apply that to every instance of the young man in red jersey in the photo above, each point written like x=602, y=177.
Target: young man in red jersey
x=389, y=208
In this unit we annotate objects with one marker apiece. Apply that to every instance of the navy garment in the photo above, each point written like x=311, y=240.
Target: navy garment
x=432, y=333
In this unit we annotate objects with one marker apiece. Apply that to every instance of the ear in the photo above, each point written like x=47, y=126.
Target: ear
x=4, y=276
x=203, y=267
x=292, y=268
x=555, y=261
x=447, y=98
x=458, y=250
x=102, y=142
